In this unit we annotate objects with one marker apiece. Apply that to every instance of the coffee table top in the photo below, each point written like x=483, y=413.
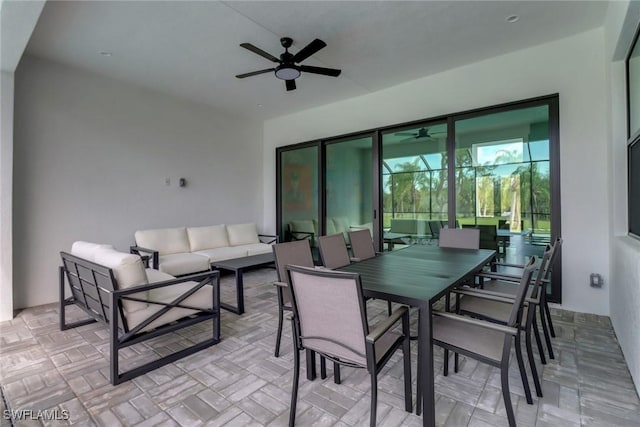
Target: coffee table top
x=245, y=262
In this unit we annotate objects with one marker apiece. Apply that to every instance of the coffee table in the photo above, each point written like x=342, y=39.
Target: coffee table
x=239, y=266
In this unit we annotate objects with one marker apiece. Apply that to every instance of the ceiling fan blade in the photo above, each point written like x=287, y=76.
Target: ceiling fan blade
x=309, y=50
x=320, y=70
x=254, y=73
x=260, y=52
x=290, y=84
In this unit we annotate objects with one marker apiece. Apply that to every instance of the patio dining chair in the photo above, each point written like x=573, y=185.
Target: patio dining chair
x=461, y=238
x=496, y=307
x=329, y=318
x=297, y=252
x=484, y=341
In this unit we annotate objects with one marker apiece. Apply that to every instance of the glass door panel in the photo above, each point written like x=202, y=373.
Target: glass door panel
x=503, y=180
x=414, y=184
x=299, y=192
x=349, y=186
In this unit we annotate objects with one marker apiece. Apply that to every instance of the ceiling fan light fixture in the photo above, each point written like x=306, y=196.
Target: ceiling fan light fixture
x=287, y=72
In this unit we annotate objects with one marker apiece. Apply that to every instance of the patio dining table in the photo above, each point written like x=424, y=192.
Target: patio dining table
x=419, y=276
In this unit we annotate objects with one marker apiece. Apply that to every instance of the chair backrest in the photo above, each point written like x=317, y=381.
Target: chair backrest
x=297, y=252
x=543, y=271
x=333, y=251
x=329, y=310
x=516, y=312
x=462, y=238
x=362, y=244
x=434, y=228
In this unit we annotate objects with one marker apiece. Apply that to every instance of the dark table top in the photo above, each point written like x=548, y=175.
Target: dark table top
x=245, y=262
x=419, y=273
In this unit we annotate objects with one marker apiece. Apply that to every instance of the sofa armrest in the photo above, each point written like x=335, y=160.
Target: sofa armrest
x=269, y=238
x=155, y=255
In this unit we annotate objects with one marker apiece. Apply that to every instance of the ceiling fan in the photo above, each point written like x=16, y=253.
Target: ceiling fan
x=288, y=70
x=421, y=133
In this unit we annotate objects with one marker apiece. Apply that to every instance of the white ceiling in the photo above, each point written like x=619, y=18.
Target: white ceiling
x=190, y=49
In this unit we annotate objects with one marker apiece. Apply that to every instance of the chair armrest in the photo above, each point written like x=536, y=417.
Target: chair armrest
x=386, y=324
x=273, y=237
x=488, y=295
x=484, y=324
x=281, y=284
x=155, y=255
x=305, y=235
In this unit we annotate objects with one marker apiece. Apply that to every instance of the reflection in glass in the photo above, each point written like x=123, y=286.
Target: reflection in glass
x=348, y=184
x=299, y=189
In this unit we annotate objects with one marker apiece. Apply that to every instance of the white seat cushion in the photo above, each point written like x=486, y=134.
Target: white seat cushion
x=154, y=276
x=128, y=271
x=185, y=263
x=87, y=250
x=218, y=254
x=201, y=238
x=203, y=298
x=257, y=248
x=164, y=240
x=242, y=234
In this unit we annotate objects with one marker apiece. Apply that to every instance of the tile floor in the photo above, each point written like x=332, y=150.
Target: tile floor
x=238, y=382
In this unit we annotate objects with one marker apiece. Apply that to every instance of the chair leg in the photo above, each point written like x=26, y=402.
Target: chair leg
x=445, y=365
x=548, y=314
x=406, y=356
x=504, y=377
x=279, y=333
x=374, y=397
x=389, y=308
x=532, y=362
x=336, y=373
x=456, y=362
x=523, y=372
x=323, y=367
x=547, y=338
x=536, y=333
x=294, y=391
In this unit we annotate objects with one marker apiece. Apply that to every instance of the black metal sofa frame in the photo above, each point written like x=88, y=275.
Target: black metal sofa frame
x=95, y=290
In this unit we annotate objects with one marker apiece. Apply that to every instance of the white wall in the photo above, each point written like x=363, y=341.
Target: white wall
x=91, y=158
x=573, y=67
x=622, y=21
x=6, y=183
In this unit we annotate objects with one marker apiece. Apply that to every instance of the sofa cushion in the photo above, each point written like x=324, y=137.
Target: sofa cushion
x=207, y=237
x=164, y=240
x=154, y=276
x=128, y=271
x=87, y=250
x=218, y=254
x=242, y=234
x=184, y=263
x=304, y=225
x=202, y=298
x=341, y=224
x=257, y=248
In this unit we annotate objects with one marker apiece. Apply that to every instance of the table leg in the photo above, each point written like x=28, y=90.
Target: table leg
x=239, y=308
x=425, y=366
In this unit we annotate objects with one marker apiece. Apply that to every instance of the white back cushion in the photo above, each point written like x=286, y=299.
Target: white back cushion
x=128, y=271
x=164, y=240
x=242, y=234
x=87, y=250
x=201, y=238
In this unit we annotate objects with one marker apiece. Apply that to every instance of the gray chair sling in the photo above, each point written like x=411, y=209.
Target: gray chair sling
x=297, y=252
x=361, y=244
x=461, y=238
x=329, y=318
x=496, y=307
x=333, y=251
x=484, y=341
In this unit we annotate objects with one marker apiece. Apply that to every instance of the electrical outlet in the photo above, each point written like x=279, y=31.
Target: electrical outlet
x=595, y=280
x=167, y=182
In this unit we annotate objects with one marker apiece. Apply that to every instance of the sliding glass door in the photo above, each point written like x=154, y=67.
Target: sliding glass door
x=348, y=185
